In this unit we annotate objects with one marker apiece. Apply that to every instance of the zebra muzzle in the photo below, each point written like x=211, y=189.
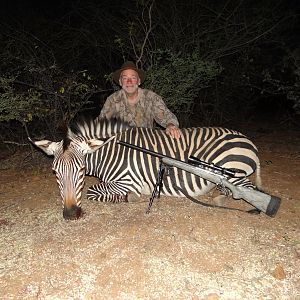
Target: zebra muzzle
x=72, y=213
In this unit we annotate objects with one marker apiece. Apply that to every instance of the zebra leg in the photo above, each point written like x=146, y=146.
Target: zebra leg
x=133, y=197
x=220, y=200
x=108, y=192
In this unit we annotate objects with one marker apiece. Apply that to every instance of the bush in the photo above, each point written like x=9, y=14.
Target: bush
x=179, y=78
x=50, y=108
x=18, y=107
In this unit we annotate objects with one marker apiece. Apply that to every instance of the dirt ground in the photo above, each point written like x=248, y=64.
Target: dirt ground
x=180, y=250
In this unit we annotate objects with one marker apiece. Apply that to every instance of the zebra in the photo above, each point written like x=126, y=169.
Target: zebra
x=92, y=148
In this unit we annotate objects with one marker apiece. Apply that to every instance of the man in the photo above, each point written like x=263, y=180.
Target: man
x=139, y=107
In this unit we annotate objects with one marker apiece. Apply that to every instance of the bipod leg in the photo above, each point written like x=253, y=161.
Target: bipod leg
x=158, y=185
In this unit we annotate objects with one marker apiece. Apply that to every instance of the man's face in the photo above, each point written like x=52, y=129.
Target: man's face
x=129, y=81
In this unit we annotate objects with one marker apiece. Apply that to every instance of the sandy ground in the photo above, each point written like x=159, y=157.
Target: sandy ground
x=180, y=250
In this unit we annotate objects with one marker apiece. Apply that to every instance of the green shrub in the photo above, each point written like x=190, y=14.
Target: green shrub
x=22, y=107
x=179, y=78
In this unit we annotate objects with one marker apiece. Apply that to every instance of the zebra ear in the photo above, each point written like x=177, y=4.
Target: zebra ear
x=47, y=146
x=70, y=134
x=95, y=144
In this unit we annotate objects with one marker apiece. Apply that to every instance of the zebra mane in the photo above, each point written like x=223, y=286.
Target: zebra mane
x=86, y=129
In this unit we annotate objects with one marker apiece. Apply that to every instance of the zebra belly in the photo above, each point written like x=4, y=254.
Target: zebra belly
x=195, y=187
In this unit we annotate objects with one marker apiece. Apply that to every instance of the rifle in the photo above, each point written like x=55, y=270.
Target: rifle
x=262, y=201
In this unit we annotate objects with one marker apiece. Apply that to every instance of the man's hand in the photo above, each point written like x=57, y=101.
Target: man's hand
x=173, y=131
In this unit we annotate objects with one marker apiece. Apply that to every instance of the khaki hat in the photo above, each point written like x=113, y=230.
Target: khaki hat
x=128, y=65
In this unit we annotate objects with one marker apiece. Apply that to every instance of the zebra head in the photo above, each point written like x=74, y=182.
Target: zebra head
x=69, y=164
x=69, y=167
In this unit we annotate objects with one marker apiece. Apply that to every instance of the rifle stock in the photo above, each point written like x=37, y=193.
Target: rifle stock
x=264, y=202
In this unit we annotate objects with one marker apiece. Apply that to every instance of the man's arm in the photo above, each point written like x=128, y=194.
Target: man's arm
x=164, y=117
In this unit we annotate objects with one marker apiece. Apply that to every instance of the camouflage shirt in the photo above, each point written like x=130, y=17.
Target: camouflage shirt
x=148, y=108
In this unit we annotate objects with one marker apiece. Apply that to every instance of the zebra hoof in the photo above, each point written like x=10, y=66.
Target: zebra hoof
x=72, y=213
x=133, y=198
x=220, y=200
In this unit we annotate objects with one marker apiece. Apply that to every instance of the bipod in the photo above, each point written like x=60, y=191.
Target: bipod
x=158, y=185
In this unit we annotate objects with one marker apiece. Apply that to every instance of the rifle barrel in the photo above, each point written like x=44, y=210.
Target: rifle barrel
x=147, y=151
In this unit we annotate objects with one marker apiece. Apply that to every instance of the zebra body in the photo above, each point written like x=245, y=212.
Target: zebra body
x=122, y=170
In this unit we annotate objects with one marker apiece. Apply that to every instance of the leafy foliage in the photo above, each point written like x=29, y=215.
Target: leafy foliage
x=22, y=103
x=19, y=107
x=179, y=78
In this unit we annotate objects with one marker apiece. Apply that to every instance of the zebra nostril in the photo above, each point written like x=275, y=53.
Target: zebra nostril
x=72, y=213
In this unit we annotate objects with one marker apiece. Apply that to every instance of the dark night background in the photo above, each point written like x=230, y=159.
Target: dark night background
x=214, y=62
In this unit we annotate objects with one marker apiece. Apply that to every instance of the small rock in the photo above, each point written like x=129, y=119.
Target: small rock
x=279, y=273
x=212, y=296
x=4, y=222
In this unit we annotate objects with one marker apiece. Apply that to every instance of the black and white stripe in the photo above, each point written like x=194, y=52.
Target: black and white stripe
x=122, y=170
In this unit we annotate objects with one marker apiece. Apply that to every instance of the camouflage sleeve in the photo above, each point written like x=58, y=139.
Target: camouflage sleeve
x=109, y=108
x=162, y=115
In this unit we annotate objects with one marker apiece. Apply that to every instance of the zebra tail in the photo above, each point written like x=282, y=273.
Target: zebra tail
x=258, y=181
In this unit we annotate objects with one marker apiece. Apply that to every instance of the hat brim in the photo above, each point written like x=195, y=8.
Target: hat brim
x=116, y=75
